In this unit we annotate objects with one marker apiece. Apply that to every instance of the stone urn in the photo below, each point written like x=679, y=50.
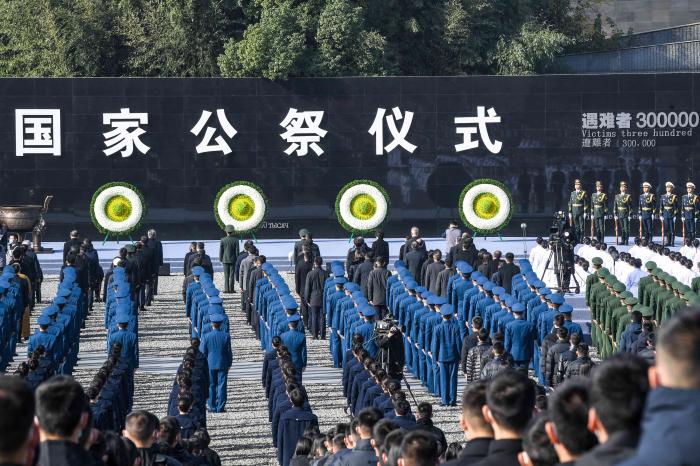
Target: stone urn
x=25, y=219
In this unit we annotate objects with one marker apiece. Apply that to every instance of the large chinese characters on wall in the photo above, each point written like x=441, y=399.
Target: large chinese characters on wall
x=423, y=139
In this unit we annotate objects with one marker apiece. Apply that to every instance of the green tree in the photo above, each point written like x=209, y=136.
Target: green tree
x=175, y=37
x=274, y=48
x=531, y=51
x=52, y=38
x=338, y=37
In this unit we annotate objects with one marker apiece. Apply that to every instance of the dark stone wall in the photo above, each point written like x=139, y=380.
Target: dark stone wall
x=543, y=149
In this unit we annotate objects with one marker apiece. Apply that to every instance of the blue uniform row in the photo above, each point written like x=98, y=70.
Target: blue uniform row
x=12, y=307
x=282, y=335
x=210, y=325
x=59, y=325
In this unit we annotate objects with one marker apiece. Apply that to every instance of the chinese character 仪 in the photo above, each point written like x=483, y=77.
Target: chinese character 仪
x=37, y=131
x=377, y=130
x=481, y=119
x=221, y=144
x=122, y=137
x=303, y=131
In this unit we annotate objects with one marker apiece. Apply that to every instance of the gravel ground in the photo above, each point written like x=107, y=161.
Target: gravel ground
x=242, y=434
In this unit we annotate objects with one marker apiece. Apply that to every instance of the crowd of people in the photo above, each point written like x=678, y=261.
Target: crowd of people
x=534, y=395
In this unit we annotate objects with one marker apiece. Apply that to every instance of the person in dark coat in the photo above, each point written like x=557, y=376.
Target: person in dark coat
x=187, y=264
x=313, y=295
x=60, y=405
x=376, y=286
x=402, y=409
x=414, y=260
x=380, y=248
x=510, y=398
x=157, y=248
x=470, y=341
x=363, y=453
x=552, y=359
x=477, y=431
x=508, y=271
x=228, y=254
x=73, y=242
x=467, y=252
x=443, y=278
x=619, y=389
x=425, y=423
x=206, y=260
x=302, y=269
x=356, y=252
x=476, y=358
x=362, y=271
x=432, y=272
x=498, y=363
x=582, y=365
x=292, y=425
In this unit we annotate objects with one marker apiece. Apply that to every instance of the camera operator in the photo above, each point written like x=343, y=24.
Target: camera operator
x=391, y=353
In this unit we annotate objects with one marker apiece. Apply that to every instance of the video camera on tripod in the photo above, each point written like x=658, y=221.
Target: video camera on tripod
x=561, y=247
x=388, y=325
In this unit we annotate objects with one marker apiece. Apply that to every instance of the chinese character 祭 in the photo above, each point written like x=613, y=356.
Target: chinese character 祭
x=303, y=131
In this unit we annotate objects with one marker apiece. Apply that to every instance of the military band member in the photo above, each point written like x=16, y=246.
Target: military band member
x=578, y=209
x=647, y=202
x=668, y=209
x=690, y=210
x=599, y=209
x=623, y=207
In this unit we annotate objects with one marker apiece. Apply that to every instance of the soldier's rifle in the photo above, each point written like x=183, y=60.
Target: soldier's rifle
x=663, y=234
x=617, y=242
x=683, y=227
x=640, y=223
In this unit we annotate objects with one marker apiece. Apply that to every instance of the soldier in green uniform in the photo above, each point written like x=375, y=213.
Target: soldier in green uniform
x=690, y=206
x=593, y=277
x=601, y=274
x=662, y=295
x=599, y=208
x=645, y=281
x=625, y=319
x=228, y=253
x=647, y=208
x=578, y=210
x=618, y=316
x=668, y=209
x=623, y=208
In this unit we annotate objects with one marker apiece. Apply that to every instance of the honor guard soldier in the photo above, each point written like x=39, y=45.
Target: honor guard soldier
x=690, y=210
x=578, y=209
x=623, y=207
x=668, y=208
x=647, y=200
x=599, y=208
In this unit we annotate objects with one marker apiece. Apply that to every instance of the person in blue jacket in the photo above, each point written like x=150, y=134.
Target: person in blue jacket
x=571, y=326
x=127, y=339
x=520, y=337
x=292, y=425
x=295, y=341
x=216, y=346
x=446, y=347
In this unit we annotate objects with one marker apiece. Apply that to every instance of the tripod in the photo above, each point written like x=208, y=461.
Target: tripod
x=560, y=268
x=384, y=359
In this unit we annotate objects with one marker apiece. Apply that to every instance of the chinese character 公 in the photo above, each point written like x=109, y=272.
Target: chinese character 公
x=37, y=131
x=121, y=138
x=303, y=131
x=377, y=130
x=481, y=119
x=221, y=144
